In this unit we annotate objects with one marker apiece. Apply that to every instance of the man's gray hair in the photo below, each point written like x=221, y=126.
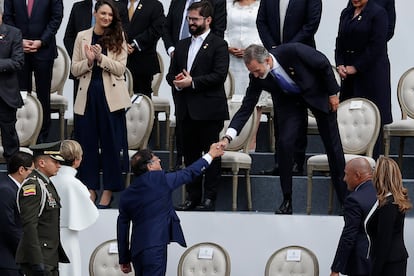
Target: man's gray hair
x=255, y=52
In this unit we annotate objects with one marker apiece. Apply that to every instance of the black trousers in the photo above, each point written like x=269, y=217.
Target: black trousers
x=42, y=70
x=197, y=138
x=9, y=138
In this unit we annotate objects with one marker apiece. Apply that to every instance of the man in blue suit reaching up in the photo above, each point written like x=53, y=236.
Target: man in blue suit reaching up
x=147, y=202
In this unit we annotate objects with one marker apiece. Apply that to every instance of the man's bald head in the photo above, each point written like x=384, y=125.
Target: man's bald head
x=357, y=171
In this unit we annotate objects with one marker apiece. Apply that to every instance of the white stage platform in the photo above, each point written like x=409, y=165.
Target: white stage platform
x=250, y=238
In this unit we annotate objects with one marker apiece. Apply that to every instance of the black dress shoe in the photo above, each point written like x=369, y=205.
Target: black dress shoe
x=206, y=205
x=188, y=205
x=285, y=208
x=274, y=171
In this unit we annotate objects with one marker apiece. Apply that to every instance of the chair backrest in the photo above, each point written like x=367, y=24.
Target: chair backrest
x=60, y=73
x=292, y=260
x=29, y=121
x=129, y=82
x=405, y=93
x=157, y=79
x=359, y=125
x=229, y=85
x=206, y=258
x=242, y=140
x=139, y=122
x=104, y=260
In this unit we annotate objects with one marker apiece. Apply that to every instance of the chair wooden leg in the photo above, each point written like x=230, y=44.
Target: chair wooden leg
x=235, y=184
x=171, y=142
x=167, y=130
x=248, y=191
x=62, y=124
x=309, y=195
x=271, y=133
x=183, y=194
x=386, y=144
x=157, y=132
x=330, y=200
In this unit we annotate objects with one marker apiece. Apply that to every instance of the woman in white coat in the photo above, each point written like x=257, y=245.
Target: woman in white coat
x=78, y=212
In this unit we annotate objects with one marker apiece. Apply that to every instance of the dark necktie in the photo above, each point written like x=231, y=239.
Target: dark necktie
x=289, y=88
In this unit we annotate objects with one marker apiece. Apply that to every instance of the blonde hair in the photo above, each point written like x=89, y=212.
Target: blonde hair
x=70, y=150
x=387, y=179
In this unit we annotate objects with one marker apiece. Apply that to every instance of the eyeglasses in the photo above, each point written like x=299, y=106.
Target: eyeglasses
x=155, y=159
x=195, y=19
x=29, y=169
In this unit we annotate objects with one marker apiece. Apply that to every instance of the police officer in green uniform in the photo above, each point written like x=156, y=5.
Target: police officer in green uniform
x=40, y=250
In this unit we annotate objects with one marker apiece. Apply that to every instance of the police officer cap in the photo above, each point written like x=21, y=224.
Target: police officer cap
x=50, y=149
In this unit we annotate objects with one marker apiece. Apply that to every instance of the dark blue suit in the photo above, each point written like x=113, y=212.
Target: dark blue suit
x=312, y=72
x=11, y=229
x=11, y=61
x=148, y=204
x=43, y=25
x=300, y=25
x=351, y=254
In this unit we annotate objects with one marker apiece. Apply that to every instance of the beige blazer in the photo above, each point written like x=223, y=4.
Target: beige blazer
x=113, y=65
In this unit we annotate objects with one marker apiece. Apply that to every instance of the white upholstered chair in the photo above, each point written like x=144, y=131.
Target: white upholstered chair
x=359, y=125
x=206, y=258
x=405, y=127
x=104, y=260
x=292, y=260
x=139, y=122
x=58, y=103
x=229, y=85
x=236, y=156
x=161, y=105
x=129, y=82
x=29, y=122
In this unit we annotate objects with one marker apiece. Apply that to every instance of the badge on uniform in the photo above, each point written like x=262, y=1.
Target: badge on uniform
x=51, y=200
x=29, y=190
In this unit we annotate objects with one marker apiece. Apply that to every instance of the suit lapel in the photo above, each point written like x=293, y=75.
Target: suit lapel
x=201, y=52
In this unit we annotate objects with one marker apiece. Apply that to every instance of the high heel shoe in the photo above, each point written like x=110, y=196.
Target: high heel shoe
x=108, y=206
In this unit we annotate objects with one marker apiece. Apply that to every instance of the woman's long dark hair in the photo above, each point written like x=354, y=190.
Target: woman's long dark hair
x=112, y=38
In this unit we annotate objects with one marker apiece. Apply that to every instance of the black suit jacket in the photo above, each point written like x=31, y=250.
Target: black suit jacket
x=43, y=23
x=307, y=67
x=11, y=227
x=207, y=100
x=172, y=26
x=351, y=254
x=389, y=6
x=385, y=227
x=11, y=61
x=145, y=28
x=300, y=25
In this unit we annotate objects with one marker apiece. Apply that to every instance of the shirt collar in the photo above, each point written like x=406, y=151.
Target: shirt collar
x=202, y=36
x=15, y=181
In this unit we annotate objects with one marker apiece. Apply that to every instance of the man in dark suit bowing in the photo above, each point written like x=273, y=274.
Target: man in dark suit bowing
x=287, y=21
x=147, y=202
x=351, y=254
x=144, y=29
x=19, y=166
x=11, y=61
x=39, y=22
x=197, y=74
x=298, y=77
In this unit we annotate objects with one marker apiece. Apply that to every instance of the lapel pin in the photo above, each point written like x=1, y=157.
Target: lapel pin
x=205, y=46
x=359, y=18
x=140, y=6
